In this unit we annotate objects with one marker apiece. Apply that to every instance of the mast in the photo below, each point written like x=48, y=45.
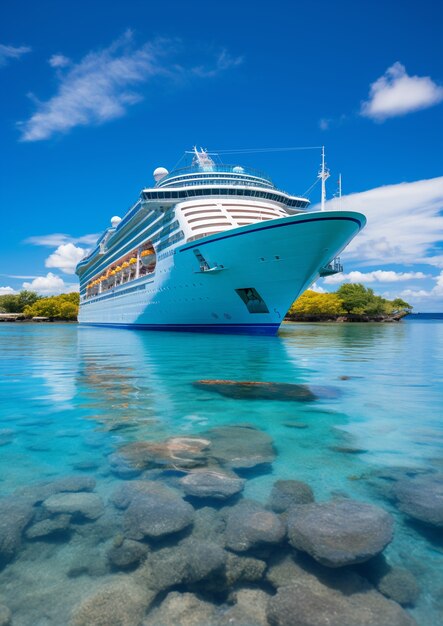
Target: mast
x=339, y=191
x=323, y=175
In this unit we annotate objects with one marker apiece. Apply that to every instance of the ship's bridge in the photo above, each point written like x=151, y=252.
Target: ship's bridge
x=215, y=174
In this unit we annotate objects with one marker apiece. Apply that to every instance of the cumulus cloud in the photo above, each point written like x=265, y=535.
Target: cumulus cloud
x=405, y=223
x=376, y=276
x=49, y=285
x=58, y=60
x=396, y=93
x=66, y=257
x=58, y=239
x=8, y=53
x=6, y=291
x=104, y=84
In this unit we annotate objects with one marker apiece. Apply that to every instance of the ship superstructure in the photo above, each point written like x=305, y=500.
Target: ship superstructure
x=210, y=247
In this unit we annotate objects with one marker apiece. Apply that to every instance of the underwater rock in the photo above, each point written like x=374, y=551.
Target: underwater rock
x=243, y=568
x=283, y=570
x=217, y=484
x=240, y=447
x=79, y=504
x=126, y=492
x=155, y=512
x=209, y=525
x=399, y=585
x=285, y=493
x=127, y=554
x=5, y=616
x=339, y=532
x=251, y=390
x=182, y=609
x=299, y=425
x=42, y=490
x=249, y=609
x=421, y=498
x=15, y=515
x=249, y=525
x=120, y=602
x=183, y=452
x=50, y=526
x=122, y=467
x=350, y=602
x=191, y=561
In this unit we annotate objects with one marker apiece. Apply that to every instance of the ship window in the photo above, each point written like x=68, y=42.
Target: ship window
x=252, y=299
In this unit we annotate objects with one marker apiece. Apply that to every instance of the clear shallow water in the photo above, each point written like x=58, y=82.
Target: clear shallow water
x=70, y=396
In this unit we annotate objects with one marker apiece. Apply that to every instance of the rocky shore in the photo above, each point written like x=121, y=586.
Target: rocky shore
x=175, y=543
x=395, y=317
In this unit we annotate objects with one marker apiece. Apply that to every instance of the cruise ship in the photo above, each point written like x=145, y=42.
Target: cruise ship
x=211, y=248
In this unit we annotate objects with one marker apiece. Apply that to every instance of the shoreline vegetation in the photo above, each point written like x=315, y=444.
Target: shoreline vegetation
x=350, y=303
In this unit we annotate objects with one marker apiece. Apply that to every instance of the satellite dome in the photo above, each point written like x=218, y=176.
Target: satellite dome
x=115, y=221
x=238, y=169
x=159, y=173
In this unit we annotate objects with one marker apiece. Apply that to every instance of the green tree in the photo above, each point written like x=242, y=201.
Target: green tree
x=400, y=305
x=64, y=307
x=357, y=298
x=16, y=303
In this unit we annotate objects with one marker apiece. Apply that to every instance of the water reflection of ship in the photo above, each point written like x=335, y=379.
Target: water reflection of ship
x=131, y=377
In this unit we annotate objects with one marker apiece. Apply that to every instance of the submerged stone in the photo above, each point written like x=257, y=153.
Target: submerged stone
x=240, y=447
x=47, y=527
x=217, y=484
x=249, y=609
x=286, y=493
x=15, y=515
x=399, y=585
x=340, y=532
x=5, y=616
x=174, y=452
x=82, y=504
x=191, y=561
x=249, y=525
x=421, y=497
x=252, y=390
x=120, y=602
x=182, y=609
x=127, y=554
x=309, y=602
x=156, y=512
x=42, y=490
x=243, y=568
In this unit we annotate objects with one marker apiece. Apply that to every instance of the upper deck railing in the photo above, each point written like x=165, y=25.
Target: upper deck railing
x=233, y=171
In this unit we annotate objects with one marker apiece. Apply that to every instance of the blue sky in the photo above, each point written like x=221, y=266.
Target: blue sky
x=96, y=94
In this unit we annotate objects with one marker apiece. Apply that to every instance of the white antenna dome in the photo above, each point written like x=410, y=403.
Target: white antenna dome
x=238, y=169
x=159, y=173
x=115, y=221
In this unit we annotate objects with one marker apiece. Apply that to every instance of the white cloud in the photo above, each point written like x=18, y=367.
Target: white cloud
x=324, y=123
x=49, y=285
x=100, y=87
x=95, y=90
x=59, y=60
x=405, y=223
x=376, y=276
x=224, y=61
x=66, y=257
x=317, y=288
x=396, y=93
x=10, y=52
x=58, y=239
x=6, y=291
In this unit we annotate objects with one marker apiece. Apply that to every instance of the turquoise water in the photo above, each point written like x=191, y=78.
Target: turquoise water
x=71, y=396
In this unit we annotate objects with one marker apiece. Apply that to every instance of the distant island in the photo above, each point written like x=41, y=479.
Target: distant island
x=350, y=303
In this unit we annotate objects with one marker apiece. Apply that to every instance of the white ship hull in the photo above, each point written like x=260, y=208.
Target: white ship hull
x=278, y=258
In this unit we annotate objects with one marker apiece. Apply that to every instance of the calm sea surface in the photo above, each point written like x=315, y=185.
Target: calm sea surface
x=71, y=396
